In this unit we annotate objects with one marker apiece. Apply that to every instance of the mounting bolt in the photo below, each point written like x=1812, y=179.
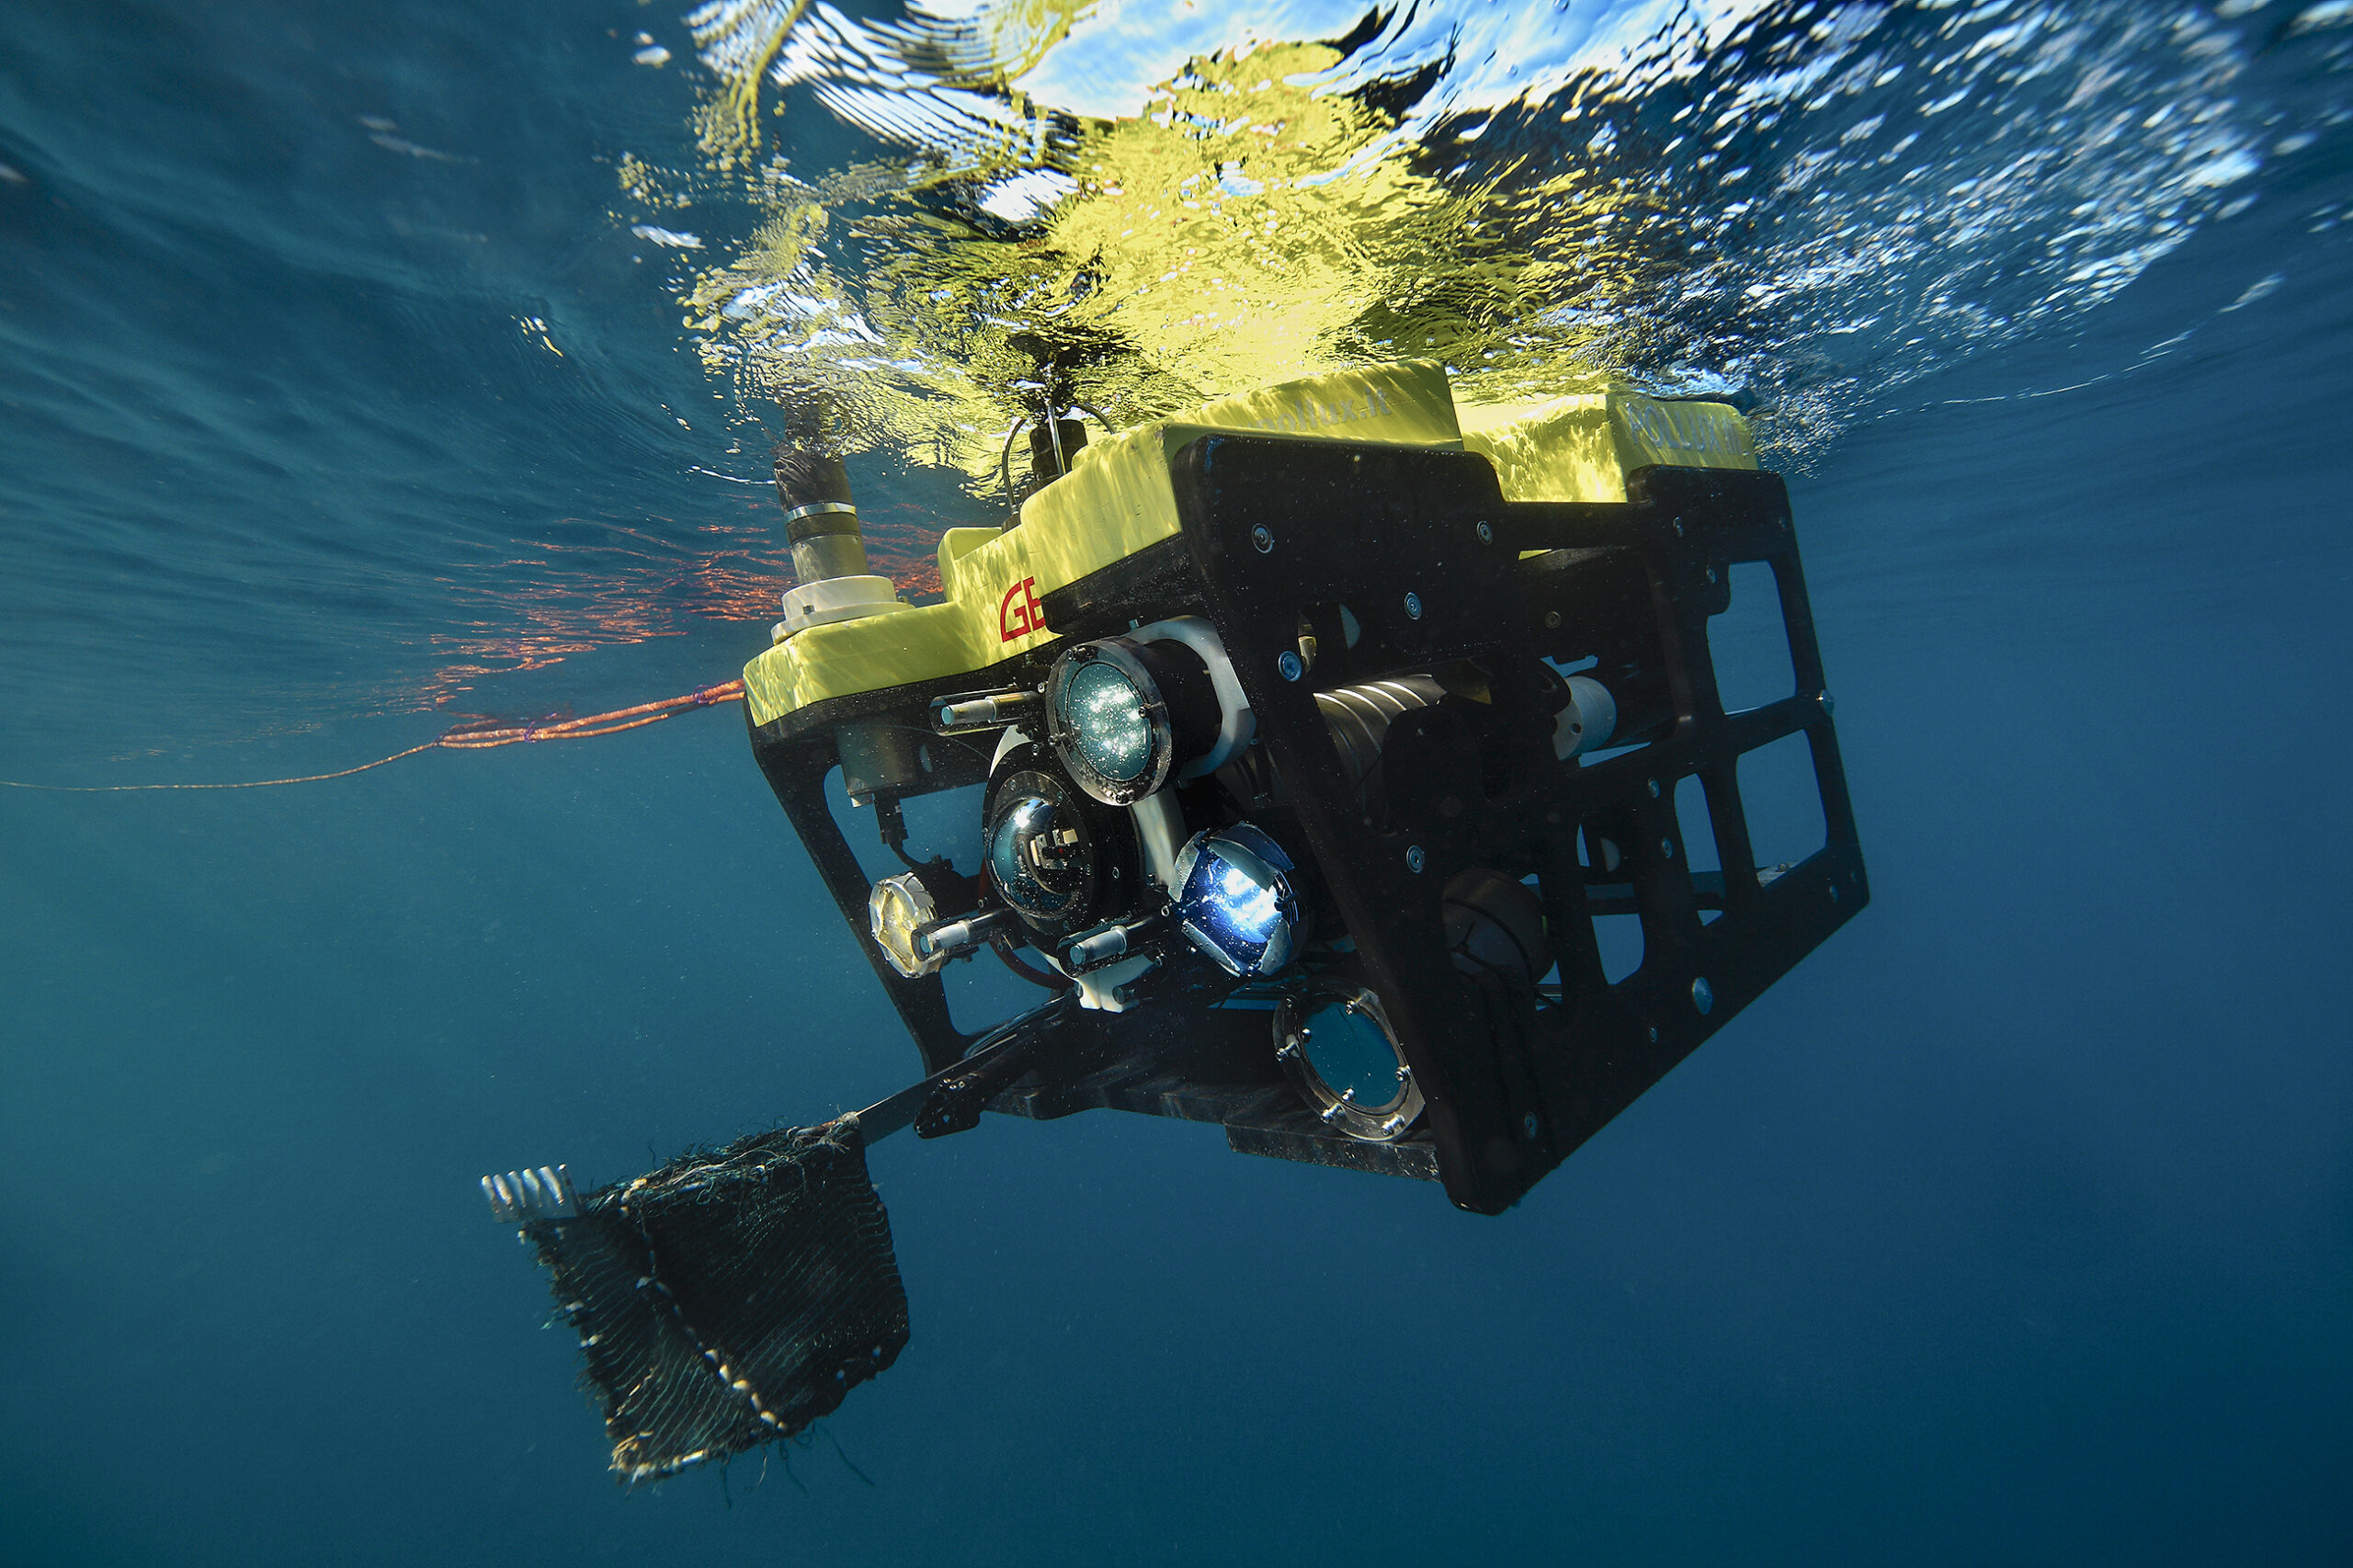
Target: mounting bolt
x=1551, y=619
x=1711, y=573
x=1666, y=847
x=1528, y=1122
x=1291, y=666
x=1263, y=538
x=1486, y=534
x=1413, y=606
x=1679, y=528
x=1414, y=858
x=1703, y=995
x=1654, y=789
x=1653, y=1034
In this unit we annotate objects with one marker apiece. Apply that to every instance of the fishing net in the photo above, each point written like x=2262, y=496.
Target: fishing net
x=729, y=1299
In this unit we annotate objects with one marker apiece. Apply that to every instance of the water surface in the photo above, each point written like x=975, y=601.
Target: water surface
x=344, y=395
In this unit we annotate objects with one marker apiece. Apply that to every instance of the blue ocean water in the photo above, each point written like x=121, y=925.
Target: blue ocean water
x=337, y=397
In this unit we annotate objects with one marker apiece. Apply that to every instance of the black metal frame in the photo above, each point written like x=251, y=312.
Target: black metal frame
x=1276, y=536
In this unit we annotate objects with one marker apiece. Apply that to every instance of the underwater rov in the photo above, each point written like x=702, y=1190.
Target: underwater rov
x=1311, y=735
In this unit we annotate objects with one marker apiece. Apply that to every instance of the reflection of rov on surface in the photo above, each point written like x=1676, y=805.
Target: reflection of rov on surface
x=1317, y=737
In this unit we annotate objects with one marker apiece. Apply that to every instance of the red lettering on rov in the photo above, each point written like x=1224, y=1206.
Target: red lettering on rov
x=1019, y=620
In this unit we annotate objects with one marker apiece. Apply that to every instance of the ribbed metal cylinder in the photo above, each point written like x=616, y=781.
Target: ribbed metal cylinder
x=1359, y=717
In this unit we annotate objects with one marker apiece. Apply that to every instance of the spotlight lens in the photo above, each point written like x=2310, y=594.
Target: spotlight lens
x=1234, y=902
x=1248, y=906
x=1107, y=718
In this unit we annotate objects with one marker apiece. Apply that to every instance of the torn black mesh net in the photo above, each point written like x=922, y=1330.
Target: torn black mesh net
x=729, y=1299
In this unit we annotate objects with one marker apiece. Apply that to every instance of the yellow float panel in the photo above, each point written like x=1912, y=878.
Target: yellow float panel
x=1582, y=448
x=1117, y=499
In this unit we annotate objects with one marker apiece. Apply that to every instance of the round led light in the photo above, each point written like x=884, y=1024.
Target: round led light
x=1123, y=714
x=1334, y=1043
x=1235, y=901
x=1109, y=721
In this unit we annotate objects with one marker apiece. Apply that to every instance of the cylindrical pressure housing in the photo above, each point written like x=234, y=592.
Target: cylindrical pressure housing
x=819, y=522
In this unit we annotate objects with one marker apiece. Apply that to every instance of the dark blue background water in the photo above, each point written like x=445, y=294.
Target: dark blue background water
x=2016, y=1227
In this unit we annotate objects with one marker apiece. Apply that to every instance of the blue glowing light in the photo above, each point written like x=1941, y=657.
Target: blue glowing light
x=1249, y=905
x=1234, y=902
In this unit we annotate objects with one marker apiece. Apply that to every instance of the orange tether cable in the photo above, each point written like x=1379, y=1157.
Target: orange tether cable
x=465, y=737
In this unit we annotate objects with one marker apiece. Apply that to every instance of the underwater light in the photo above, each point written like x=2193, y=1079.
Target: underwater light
x=904, y=918
x=1233, y=901
x=1112, y=724
x=896, y=911
x=1122, y=713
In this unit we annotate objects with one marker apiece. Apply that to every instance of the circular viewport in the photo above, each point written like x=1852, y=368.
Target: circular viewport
x=1336, y=1045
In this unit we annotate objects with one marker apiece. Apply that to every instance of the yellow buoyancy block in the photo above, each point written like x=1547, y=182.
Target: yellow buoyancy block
x=1582, y=448
x=1117, y=499
x=1114, y=502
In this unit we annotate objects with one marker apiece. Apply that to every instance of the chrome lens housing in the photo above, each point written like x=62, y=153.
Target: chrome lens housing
x=1334, y=1043
x=1060, y=861
x=1236, y=902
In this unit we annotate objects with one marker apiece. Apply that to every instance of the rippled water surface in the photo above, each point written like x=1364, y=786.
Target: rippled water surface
x=366, y=368
x=1813, y=206
x=340, y=380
